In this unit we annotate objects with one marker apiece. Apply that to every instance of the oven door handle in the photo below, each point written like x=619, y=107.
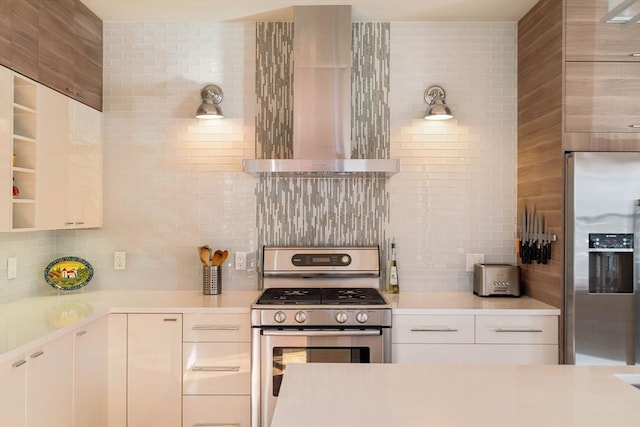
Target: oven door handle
x=321, y=333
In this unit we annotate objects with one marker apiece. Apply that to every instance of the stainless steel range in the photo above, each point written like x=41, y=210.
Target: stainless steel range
x=320, y=305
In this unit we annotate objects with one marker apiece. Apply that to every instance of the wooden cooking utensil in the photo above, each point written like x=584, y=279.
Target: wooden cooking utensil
x=216, y=258
x=205, y=255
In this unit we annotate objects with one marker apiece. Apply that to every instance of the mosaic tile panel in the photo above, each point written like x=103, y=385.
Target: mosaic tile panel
x=274, y=90
x=335, y=210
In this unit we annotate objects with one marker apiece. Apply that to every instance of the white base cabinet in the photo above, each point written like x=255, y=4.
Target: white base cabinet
x=154, y=370
x=216, y=411
x=475, y=339
x=217, y=370
x=90, y=371
x=13, y=389
x=50, y=384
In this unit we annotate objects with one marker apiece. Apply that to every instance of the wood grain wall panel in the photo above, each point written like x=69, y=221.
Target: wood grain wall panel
x=540, y=152
x=24, y=37
x=5, y=33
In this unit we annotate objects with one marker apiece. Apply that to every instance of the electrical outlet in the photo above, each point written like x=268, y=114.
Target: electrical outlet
x=119, y=260
x=251, y=261
x=12, y=267
x=241, y=260
x=473, y=259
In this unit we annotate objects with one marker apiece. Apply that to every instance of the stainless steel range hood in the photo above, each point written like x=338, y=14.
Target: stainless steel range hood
x=322, y=103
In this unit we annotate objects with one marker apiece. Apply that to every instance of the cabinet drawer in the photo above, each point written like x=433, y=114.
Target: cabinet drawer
x=432, y=329
x=219, y=411
x=517, y=330
x=216, y=368
x=217, y=328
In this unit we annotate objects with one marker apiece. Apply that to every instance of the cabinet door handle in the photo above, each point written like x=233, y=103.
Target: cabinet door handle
x=68, y=223
x=37, y=354
x=434, y=329
x=517, y=330
x=216, y=425
x=79, y=222
x=635, y=54
x=634, y=126
x=81, y=333
x=216, y=328
x=19, y=363
x=216, y=369
x=170, y=319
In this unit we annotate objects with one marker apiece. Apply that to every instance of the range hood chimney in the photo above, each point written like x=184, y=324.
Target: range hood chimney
x=322, y=103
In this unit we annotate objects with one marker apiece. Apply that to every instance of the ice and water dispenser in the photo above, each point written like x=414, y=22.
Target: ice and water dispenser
x=610, y=263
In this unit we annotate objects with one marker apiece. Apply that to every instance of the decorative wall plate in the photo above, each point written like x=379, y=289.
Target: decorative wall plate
x=68, y=273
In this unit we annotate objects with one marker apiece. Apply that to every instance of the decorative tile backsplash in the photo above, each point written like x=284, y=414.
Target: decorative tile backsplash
x=326, y=210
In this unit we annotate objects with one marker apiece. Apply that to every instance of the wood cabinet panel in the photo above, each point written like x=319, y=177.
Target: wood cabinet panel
x=56, y=41
x=588, y=39
x=5, y=33
x=24, y=37
x=602, y=97
x=88, y=56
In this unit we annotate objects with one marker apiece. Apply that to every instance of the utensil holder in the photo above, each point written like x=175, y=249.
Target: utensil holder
x=212, y=280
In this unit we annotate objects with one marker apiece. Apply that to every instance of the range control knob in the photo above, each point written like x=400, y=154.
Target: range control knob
x=362, y=317
x=280, y=316
x=345, y=259
x=301, y=316
x=341, y=317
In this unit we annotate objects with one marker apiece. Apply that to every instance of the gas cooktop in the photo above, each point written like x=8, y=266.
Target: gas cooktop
x=321, y=296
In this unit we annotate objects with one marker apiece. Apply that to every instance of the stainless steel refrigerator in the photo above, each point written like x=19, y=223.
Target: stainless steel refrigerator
x=602, y=295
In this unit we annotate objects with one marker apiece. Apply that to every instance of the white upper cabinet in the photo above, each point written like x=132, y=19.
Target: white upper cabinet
x=70, y=157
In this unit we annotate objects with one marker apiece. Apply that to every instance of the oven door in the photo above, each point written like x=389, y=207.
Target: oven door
x=281, y=347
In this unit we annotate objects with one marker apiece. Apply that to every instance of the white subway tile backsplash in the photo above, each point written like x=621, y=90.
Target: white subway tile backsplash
x=173, y=182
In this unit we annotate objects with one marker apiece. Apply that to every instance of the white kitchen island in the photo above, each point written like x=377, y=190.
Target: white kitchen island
x=404, y=395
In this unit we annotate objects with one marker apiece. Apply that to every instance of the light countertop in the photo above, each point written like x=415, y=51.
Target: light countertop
x=465, y=303
x=31, y=320
x=383, y=395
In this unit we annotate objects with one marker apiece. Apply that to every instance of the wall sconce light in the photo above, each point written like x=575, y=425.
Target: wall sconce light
x=437, y=110
x=211, y=98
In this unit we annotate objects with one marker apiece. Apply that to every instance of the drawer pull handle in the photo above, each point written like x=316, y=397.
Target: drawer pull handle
x=635, y=54
x=445, y=329
x=169, y=319
x=81, y=333
x=216, y=425
x=18, y=363
x=517, y=330
x=216, y=369
x=37, y=354
x=634, y=126
x=216, y=328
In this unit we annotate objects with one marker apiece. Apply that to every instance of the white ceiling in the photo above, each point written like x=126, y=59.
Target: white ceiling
x=282, y=10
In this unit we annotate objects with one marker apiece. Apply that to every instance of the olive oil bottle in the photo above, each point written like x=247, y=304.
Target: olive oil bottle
x=393, y=283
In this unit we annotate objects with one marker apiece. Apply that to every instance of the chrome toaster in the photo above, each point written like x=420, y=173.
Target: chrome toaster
x=496, y=280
